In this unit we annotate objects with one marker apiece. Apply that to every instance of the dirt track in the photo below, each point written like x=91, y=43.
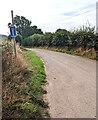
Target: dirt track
x=72, y=84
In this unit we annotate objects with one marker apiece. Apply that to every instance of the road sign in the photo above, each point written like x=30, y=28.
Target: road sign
x=13, y=31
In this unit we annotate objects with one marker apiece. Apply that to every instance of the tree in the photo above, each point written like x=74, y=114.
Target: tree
x=24, y=28
x=22, y=25
x=60, y=38
x=48, y=39
x=35, y=30
x=84, y=37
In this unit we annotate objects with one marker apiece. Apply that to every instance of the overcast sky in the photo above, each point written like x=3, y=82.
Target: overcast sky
x=49, y=15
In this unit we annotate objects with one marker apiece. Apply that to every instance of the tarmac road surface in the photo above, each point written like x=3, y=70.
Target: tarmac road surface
x=71, y=84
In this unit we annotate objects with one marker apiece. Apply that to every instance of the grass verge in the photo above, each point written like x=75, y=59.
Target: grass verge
x=92, y=56
x=22, y=80
x=37, y=80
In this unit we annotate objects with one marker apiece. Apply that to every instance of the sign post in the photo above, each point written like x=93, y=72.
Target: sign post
x=97, y=16
x=13, y=32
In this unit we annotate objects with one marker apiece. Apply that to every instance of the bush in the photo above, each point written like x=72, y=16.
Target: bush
x=19, y=39
x=34, y=40
x=84, y=37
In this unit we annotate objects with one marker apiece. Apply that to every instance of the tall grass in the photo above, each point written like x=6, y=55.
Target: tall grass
x=23, y=78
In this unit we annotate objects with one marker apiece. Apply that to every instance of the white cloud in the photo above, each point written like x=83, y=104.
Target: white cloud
x=46, y=13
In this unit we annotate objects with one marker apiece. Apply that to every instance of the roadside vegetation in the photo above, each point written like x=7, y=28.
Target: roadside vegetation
x=22, y=85
x=24, y=77
x=82, y=41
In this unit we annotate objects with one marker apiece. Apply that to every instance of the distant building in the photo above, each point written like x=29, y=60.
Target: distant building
x=97, y=16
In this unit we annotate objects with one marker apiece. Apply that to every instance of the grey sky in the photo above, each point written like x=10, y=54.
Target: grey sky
x=49, y=15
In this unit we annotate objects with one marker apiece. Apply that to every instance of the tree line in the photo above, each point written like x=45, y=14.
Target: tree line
x=31, y=36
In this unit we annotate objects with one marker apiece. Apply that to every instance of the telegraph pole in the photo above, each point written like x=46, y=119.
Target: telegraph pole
x=13, y=37
x=97, y=16
x=12, y=17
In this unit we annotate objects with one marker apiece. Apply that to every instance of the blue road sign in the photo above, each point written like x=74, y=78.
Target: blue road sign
x=13, y=31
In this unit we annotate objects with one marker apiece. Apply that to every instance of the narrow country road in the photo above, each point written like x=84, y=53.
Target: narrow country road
x=72, y=84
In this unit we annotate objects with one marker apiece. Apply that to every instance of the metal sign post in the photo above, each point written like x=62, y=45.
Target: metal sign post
x=97, y=16
x=13, y=32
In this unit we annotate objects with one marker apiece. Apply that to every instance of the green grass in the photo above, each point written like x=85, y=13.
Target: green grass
x=37, y=106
